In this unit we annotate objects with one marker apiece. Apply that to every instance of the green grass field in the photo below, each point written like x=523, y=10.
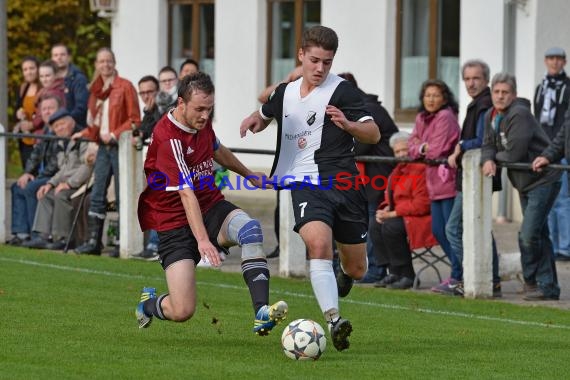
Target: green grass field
x=66, y=316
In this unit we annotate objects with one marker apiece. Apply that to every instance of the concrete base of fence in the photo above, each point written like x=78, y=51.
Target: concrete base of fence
x=292, y=261
x=131, y=185
x=477, y=225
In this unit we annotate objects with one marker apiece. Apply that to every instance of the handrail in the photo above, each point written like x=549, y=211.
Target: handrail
x=364, y=158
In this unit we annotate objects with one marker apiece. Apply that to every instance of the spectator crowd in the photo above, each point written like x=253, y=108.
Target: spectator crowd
x=74, y=174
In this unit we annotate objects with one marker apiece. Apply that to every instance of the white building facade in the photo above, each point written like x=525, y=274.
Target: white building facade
x=391, y=47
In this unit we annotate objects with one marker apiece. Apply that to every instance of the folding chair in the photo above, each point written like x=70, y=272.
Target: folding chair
x=429, y=259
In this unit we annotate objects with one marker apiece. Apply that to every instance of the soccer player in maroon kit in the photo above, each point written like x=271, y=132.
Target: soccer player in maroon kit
x=190, y=213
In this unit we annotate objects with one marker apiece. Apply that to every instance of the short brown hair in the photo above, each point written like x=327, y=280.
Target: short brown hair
x=195, y=82
x=320, y=36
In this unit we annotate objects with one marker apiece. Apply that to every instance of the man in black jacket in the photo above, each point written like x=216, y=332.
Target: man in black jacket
x=377, y=260
x=513, y=135
x=551, y=100
x=475, y=74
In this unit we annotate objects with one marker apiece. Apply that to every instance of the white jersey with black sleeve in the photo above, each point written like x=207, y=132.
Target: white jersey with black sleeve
x=310, y=147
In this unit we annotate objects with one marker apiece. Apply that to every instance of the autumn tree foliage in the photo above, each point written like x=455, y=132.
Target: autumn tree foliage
x=35, y=25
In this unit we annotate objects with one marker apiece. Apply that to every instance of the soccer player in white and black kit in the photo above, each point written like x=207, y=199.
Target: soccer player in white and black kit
x=318, y=116
x=190, y=213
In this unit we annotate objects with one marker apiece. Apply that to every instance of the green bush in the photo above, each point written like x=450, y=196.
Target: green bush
x=35, y=25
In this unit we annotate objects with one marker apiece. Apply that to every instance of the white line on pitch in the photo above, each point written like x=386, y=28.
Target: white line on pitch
x=299, y=295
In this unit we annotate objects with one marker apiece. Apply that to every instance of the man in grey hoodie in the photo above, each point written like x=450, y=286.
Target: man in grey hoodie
x=513, y=135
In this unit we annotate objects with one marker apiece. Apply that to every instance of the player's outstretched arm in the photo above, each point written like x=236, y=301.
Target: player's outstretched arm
x=228, y=160
x=254, y=123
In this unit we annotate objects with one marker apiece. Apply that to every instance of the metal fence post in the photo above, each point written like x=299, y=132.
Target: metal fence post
x=477, y=225
x=131, y=179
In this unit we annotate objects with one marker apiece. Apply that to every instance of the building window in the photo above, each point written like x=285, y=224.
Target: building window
x=191, y=28
x=287, y=21
x=427, y=47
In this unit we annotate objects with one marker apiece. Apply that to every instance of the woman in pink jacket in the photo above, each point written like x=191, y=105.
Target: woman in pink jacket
x=434, y=136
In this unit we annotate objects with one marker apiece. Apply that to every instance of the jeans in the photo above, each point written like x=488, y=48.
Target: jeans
x=375, y=271
x=559, y=219
x=153, y=240
x=440, y=212
x=537, y=256
x=106, y=165
x=454, y=233
x=24, y=204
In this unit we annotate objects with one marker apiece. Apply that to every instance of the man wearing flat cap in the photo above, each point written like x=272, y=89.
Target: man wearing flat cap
x=55, y=211
x=551, y=100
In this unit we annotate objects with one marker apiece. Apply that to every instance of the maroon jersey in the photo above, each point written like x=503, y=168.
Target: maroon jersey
x=178, y=157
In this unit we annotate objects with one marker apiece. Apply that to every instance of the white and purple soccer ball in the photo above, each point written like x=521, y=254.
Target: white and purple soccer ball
x=303, y=339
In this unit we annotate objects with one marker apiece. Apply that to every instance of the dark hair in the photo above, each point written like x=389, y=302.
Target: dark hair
x=149, y=78
x=167, y=69
x=30, y=58
x=54, y=96
x=51, y=64
x=60, y=44
x=195, y=82
x=445, y=91
x=320, y=36
x=349, y=77
x=189, y=61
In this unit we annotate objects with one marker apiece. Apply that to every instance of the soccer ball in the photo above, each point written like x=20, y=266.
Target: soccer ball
x=303, y=339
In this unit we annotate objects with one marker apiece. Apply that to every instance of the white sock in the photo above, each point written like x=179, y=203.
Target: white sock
x=324, y=284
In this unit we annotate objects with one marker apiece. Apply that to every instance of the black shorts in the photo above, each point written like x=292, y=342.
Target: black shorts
x=180, y=244
x=344, y=211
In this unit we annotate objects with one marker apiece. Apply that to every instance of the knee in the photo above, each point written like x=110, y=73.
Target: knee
x=182, y=313
x=28, y=191
x=357, y=271
x=451, y=232
x=355, y=268
x=242, y=229
x=318, y=246
x=250, y=233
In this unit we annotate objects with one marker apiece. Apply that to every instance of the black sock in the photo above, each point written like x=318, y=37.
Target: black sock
x=153, y=307
x=256, y=276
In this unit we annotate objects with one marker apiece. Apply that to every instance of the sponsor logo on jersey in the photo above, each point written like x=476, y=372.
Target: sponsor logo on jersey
x=302, y=143
x=189, y=150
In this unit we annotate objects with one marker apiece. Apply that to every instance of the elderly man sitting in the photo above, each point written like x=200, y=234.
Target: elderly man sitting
x=55, y=211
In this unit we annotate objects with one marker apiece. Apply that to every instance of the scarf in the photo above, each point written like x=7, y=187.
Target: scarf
x=101, y=91
x=496, y=119
x=551, y=85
